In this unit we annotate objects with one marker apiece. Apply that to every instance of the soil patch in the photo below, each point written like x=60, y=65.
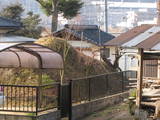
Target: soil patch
x=118, y=112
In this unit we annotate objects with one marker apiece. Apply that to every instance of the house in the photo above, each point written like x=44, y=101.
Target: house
x=126, y=45
x=86, y=38
x=7, y=26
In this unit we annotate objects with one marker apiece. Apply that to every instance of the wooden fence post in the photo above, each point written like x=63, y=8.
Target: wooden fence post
x=70, y=100
x=139, y=78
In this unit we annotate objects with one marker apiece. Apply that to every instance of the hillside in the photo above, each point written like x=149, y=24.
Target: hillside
x=77, y=64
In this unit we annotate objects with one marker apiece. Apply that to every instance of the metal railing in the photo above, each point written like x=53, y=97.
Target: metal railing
x=94, y=87
x=35, y=99
x=49, y=97
x=30, y=99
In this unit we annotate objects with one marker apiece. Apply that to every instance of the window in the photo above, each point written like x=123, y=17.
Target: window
x=105, y=52
x=130, y=0
x=148, y=1
x=115, y=0
x=134, y=62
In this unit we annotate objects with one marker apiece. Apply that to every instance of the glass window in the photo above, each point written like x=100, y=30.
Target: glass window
x=148, y=1
x=114, y=0
x=134, y=62
x=105, y=53
x=130, y=0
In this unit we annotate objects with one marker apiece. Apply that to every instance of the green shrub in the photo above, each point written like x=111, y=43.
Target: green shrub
x=46, y=79
x=132, y=93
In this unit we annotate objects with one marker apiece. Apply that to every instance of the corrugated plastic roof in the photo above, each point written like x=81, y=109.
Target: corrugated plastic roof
x=29, y=55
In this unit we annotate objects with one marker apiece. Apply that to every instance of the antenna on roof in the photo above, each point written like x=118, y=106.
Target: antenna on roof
x=158, y=12
x=99, y=35
x=82, y=35
x=106, y=15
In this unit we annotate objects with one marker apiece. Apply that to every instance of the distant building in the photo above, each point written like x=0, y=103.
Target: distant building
x=7, y=25
x=92, y=13
x=121, y=13
x=130, y=13
x=85, y=38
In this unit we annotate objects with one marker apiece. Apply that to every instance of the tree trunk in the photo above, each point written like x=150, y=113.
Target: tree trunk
x=55, y=15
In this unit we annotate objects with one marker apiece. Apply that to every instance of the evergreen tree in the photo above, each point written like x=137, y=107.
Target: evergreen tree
x=13, y=12
x=30, y=23
x=31, y=26
x=69, y=9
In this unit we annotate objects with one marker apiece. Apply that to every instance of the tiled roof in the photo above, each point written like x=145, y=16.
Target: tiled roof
x=91, y=33
x=144, y=36
x=127, y=36
x=8, y=23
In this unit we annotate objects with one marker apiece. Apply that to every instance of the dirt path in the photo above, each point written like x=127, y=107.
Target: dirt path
x=119, y=112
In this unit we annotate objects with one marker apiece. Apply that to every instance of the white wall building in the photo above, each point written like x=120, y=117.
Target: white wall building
x=131, y=13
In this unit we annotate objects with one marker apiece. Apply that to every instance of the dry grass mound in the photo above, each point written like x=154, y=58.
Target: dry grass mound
x=76, y=63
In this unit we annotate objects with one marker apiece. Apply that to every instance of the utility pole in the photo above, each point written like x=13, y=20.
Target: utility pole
x=158, y=12
x=106, y=15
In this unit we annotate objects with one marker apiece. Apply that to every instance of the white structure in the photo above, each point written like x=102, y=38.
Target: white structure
x=131, y=13
x=92, y=13
x=144, y=36
x=130, y=20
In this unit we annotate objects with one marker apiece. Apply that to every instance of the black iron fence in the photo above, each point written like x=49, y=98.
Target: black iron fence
x=94, y=87
x=30, y=99
x=35, y=99
x=48, y=97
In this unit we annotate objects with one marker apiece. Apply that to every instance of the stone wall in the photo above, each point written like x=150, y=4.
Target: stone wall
x=82, y=110
x=56, y=115
x=78, y=111
x=15, y=117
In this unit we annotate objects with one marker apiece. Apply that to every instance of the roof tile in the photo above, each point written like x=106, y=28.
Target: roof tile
x=8, y=23
x=150, y=42
x=90, y=33
x=127, y=36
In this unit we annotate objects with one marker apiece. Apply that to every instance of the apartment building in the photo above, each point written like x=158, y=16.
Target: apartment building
x=131, y=13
